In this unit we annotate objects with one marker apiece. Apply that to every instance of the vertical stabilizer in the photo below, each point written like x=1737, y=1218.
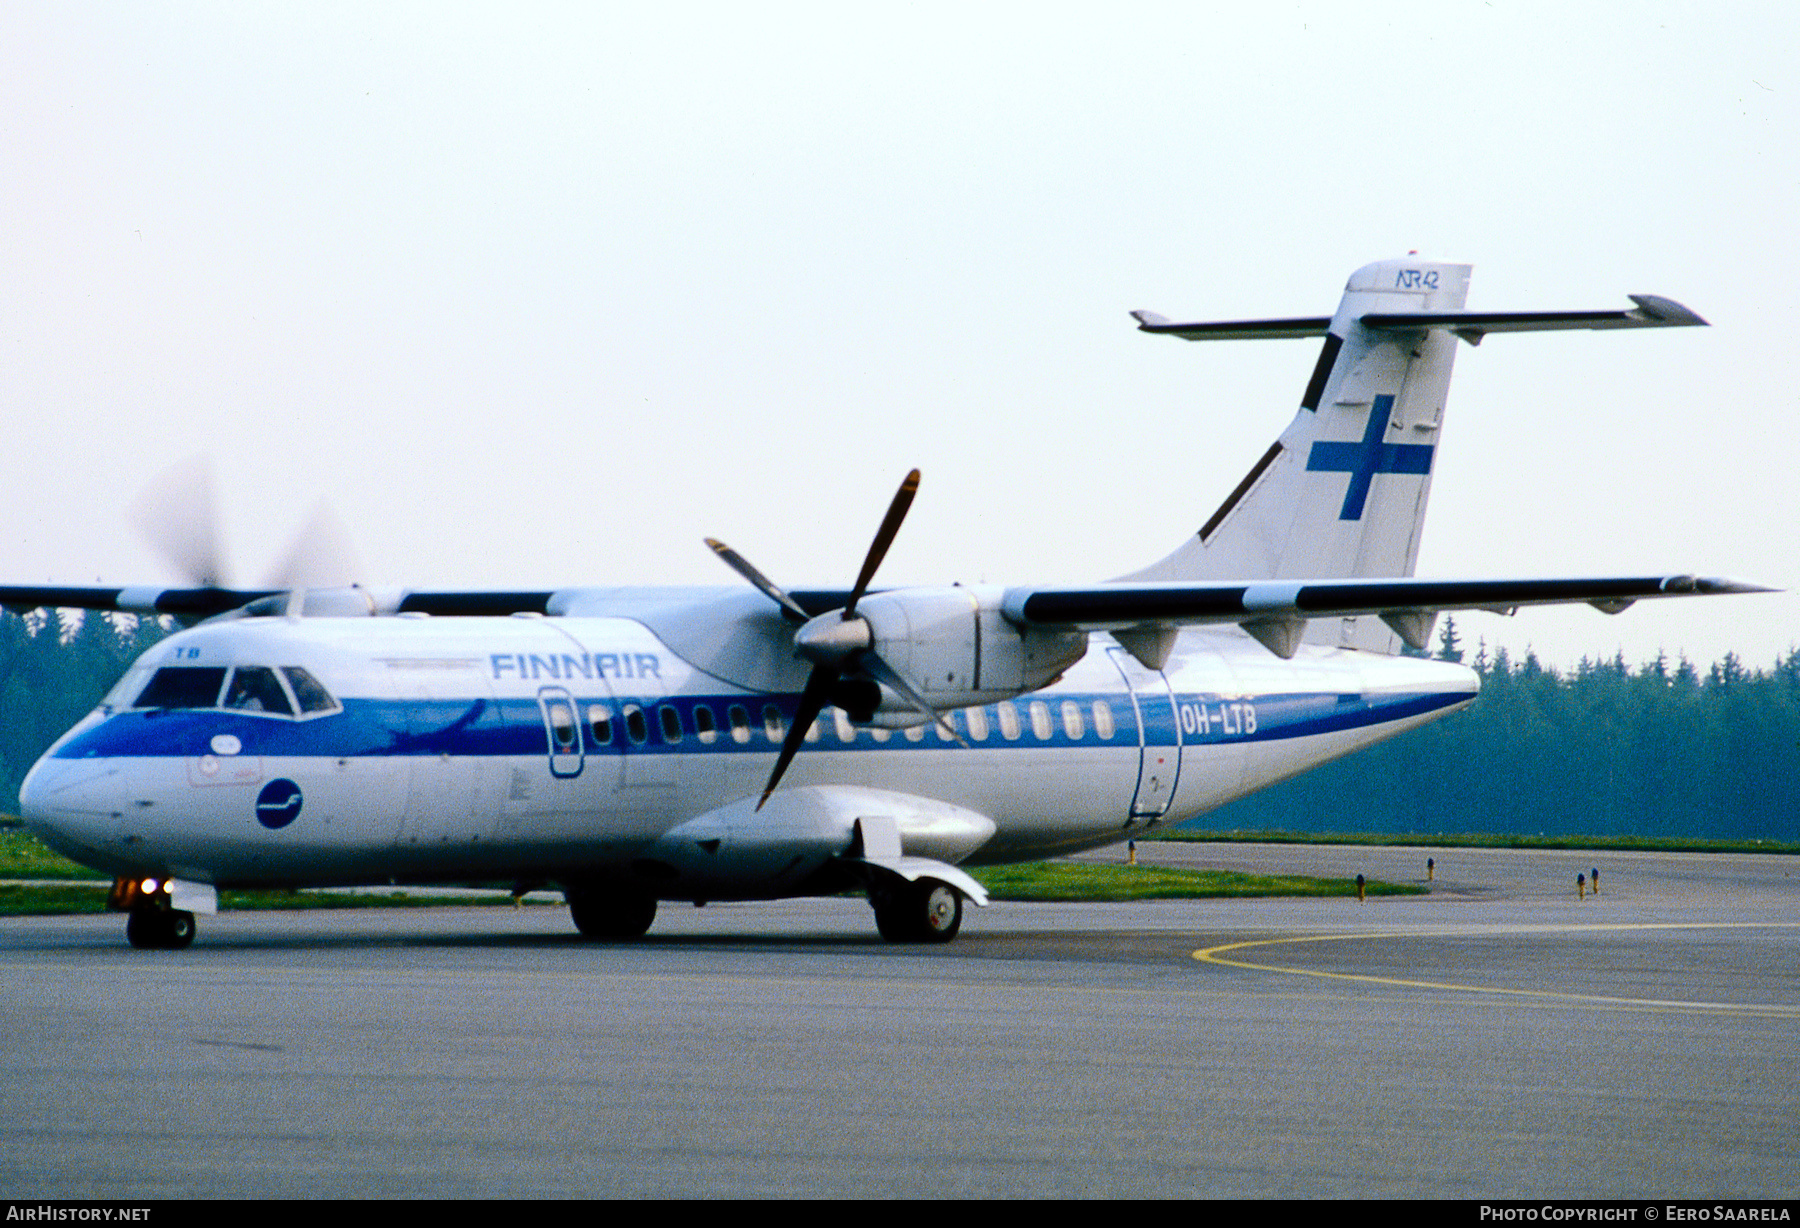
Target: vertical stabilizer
x=1342, y=493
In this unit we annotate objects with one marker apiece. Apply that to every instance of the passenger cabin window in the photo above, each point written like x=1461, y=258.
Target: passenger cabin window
x=636, y=727
x=254, y=688
x=773, y=725
x=1072, y=722
x=1040, y=720
x=740, y=723
x=600, y=723
x=978, y=724
x=704, y=725
x=1009, y=721
x=671, y=723
x=1103, y=719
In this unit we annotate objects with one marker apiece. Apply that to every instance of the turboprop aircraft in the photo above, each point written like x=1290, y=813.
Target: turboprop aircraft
x=748, y=742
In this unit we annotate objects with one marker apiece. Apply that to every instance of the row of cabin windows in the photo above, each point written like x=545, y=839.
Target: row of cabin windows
x=705, y=728
x=289, y=691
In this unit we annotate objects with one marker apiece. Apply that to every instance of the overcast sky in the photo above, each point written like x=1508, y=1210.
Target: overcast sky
x=542, y=295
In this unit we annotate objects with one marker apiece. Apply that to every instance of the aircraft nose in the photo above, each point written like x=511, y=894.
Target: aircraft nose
x=70, y=804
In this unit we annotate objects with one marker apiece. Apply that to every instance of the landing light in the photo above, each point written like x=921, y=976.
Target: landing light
x=150, y=886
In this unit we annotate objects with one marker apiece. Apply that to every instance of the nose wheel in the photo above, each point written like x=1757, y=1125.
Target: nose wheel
x=160, y=929
x=919, y=912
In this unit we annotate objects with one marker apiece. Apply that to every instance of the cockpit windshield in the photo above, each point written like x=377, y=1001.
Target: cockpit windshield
x=289, y=691
x=254, y=689
x=183, y=686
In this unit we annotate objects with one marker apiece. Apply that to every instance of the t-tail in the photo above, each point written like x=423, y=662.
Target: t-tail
x=1342, y=492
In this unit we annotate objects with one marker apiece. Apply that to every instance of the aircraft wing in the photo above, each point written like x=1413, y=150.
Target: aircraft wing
x=194, y=604
x=184, y=603
x=1275, y=611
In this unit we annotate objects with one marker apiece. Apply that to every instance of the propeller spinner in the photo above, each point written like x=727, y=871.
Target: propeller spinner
x=838, y=642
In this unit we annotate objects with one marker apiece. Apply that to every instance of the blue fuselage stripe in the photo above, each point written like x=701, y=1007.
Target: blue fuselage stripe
x=487, y=727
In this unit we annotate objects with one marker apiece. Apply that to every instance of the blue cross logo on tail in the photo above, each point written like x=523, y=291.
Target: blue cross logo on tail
x=1364, y=459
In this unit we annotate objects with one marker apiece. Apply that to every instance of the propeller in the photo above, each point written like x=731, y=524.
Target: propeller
x=837, y=643
x=178, y=515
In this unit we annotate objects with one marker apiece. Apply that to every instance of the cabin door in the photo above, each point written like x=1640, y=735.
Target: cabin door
x=1159, y=736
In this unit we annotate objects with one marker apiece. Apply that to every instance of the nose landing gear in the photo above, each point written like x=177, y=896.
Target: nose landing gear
x=160, y=929
x=152, y=922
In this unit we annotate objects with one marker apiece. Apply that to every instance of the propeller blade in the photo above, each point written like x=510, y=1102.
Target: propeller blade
x=812, y=702
x=741, y=565
x=177, y=515
x=881, y=671
x=836, y=655
x=321, y=555
x=884, y=537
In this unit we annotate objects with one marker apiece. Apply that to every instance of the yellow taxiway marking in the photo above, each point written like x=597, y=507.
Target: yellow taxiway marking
x=1216, y=955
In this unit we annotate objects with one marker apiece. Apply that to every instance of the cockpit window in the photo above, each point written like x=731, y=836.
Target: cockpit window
x=254, y=688
x=312, y=696
x=183, y=686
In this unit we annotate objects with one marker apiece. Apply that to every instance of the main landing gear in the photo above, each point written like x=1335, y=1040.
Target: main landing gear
x=610, y=915
x=918, y=912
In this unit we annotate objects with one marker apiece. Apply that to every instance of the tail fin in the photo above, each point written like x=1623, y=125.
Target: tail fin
x=1342, y=492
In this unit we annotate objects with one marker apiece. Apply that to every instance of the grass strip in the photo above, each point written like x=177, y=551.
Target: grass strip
x=23, y=855
x=1072, y=882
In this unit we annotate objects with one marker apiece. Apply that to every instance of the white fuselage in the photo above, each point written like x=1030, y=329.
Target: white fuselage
x=549, y=748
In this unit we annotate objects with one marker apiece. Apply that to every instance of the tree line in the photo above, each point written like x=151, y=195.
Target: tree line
x=1659, y=749
x=55, y=666
x=1662, y=749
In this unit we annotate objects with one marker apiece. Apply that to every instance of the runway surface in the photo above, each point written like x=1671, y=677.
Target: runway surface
x=1499, y=1038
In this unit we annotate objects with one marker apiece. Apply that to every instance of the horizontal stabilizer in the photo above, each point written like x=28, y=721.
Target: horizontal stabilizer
x=1235, y=330
x=1471, y=326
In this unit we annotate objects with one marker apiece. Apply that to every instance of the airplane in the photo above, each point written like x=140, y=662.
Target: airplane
x=636, y=746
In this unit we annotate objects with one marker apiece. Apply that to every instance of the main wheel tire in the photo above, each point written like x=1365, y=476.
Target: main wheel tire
x=160, y=929
x=893, y=919
x=610, y=916
x=922, y=912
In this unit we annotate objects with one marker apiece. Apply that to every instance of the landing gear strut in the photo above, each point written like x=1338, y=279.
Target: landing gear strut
x=918, y=912
x=610, y=916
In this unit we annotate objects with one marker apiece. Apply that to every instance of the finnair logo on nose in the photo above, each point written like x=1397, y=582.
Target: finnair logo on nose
x=278, y=804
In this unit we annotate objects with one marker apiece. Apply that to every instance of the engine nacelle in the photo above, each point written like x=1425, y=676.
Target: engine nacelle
x=739, y=852
x=959, y=650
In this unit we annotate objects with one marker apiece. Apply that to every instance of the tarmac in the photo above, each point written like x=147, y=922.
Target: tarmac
x=1499, y=1038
